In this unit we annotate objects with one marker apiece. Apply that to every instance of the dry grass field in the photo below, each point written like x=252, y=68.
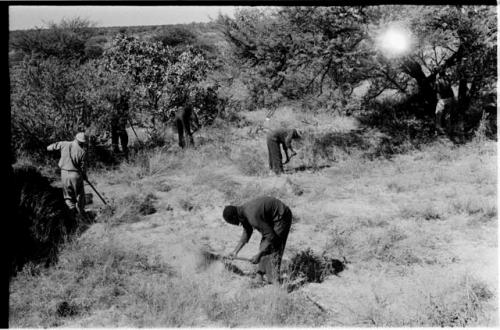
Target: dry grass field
x=419, y=231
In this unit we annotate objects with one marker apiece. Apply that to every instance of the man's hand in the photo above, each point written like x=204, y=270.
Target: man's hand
x=255, y=259
x=231, y=256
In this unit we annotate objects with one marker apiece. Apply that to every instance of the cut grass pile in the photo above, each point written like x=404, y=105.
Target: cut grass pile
x=131, y=208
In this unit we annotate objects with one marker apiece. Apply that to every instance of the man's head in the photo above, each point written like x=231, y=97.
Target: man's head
x=81, y=138
x=230, y=214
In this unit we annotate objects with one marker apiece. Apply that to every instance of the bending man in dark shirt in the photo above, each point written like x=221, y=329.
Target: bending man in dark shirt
x=272, y=219
x=283, y=137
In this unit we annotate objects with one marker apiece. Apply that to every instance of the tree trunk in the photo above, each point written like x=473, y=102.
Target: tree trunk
x=458, y=115
x=426, y=90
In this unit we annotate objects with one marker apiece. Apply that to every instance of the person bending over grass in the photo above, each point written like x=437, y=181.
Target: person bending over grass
x=272, y=219
x=283, y=137
x=72, y=164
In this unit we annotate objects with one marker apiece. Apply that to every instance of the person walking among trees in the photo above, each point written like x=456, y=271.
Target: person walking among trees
x=119, y=124
x=183, y=118
x=273, y=219
x=283, y=137
x=72, y=165
x=445, y=104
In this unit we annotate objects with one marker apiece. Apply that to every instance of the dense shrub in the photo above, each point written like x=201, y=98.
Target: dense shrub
x=41, y=221
x=401, y=122
x=65, y=40
x=51, y=100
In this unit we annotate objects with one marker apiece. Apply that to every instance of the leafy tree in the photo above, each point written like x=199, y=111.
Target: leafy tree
x=292, y=52
x=297, y=50
x=49, y=101
x=145, y=63
x=162, y=77
x=458, y=41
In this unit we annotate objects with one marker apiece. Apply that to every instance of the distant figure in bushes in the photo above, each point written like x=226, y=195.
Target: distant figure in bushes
x=445, y=104
x=283, y=137
x=72, y=164
x=183, y=118
x=119, y=124
x=272, y=219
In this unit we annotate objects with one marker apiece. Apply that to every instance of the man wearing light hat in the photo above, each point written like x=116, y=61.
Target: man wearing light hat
x=72, y=171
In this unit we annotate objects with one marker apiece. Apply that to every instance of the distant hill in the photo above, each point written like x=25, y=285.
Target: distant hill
x=205, y=33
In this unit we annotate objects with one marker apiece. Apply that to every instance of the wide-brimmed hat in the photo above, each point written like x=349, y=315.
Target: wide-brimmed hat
x=80, y=137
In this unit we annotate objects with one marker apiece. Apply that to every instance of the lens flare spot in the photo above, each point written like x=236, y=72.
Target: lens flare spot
x=394, y=41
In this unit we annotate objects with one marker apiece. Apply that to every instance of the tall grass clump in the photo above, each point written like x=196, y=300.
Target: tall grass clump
x=461, y=306
x=481, y=210
x=131, y=208
x=386, y=247
x=92, y=274
x=250, y=162
x=268, y=306
x=422, y=210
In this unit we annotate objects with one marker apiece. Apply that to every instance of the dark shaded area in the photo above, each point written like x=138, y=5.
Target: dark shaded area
x=65, y=309
x=344, y=141
x=41, y=221
x=147, y=207
x=303, y=168
x=100, y=155
x=402, y=122
x=408, y=122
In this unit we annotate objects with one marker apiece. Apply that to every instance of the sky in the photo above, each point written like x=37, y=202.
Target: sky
x=28, y=17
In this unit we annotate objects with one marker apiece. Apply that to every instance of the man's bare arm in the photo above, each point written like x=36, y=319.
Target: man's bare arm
x=245, y=237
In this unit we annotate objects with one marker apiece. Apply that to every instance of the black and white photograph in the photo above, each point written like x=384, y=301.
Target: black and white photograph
x=225, y=165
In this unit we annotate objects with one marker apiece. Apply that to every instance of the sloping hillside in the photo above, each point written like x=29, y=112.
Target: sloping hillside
x=419, y=232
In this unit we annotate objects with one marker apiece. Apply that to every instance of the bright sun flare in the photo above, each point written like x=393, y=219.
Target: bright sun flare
x=394, y=41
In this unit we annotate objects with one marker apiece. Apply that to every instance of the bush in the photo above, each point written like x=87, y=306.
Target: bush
x=51, y=101
x=42, y=221
x=401, y=122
